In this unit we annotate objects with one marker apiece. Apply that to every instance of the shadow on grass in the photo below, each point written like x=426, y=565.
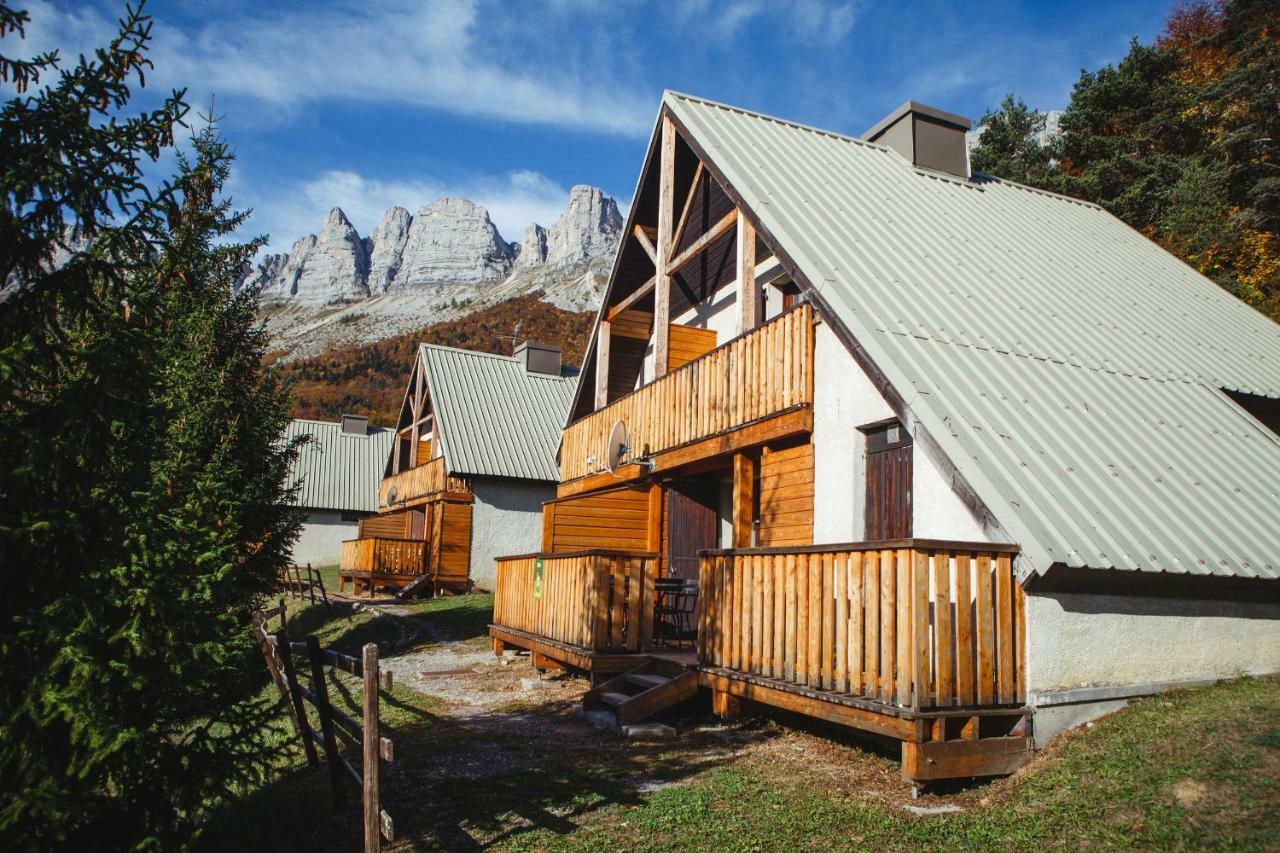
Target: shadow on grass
x=459, y=617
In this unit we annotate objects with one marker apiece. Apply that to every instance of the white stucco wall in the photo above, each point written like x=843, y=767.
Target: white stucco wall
x=1084, y=640
x=506, y=519
x=320, y=542
x=845, y=401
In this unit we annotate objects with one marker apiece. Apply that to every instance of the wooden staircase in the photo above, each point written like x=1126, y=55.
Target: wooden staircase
x=653, y=686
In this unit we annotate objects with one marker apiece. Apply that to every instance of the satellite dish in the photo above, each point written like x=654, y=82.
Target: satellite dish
x=392, y=494
x=617, y=451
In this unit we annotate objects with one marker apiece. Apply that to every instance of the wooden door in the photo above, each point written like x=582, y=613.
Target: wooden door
x=418, y=523
x=888, y=483
x=692, y=524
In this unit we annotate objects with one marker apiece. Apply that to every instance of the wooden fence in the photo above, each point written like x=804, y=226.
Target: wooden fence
x=764, y=372
x=302, y=582
x=913, y=623
x=597, y=600
x=390, y=556
x=334, y=723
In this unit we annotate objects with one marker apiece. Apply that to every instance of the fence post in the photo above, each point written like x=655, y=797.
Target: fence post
x=326, y=719
x=277, y=677
x=295, y=695
x=372, y=817
x=311, y=585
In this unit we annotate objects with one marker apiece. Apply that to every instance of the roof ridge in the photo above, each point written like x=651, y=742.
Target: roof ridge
x=461, y=351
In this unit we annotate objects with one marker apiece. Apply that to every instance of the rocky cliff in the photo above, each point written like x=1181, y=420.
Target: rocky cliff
x=337, y=288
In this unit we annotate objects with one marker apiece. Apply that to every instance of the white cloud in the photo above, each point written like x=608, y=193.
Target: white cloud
x=514, y=200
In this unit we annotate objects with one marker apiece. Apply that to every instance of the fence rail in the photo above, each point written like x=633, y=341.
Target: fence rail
x=601, y=601
x=764, y=372
x=911, y=623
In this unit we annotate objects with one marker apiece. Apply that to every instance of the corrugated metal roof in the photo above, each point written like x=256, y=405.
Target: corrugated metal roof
x=336, y=470
x=1067, y=365
x=496, y=419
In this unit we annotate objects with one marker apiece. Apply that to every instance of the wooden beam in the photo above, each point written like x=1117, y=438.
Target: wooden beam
x=632, y=298
x=716, y=231
x=748, y=291
x=662, y=285
x=688, y=206
x=744, y=482
x=643, y=239
x=959, y=759
x=602, y=364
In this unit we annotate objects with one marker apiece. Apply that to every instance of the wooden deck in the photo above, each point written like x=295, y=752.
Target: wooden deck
x=426, y=481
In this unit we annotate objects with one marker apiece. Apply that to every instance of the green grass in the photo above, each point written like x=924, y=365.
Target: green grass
x=1190, y=769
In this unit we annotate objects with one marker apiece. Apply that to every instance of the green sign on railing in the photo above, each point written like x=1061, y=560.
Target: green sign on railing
x=537, y=578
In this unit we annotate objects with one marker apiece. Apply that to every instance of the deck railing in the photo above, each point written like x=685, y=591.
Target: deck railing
x=426, y=479
x=761, y=373
x=915, y=623
x=387, y=556
x=601, y=601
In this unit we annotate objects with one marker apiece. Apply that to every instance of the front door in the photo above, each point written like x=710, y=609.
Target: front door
x=888, y=483
x=692, y=524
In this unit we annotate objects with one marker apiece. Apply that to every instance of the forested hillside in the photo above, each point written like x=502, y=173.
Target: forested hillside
x=1181, y=139
x=370, y=379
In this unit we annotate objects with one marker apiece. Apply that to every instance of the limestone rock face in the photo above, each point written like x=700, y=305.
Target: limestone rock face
x=589, y=226
x=388, y=247
x=265, y=275
x=453, y=241
x=335, y=267
x=533, y=249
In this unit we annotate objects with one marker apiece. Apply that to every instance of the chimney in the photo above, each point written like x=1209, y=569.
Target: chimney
x=539, y=358
x=355, y=425
x=928, y=137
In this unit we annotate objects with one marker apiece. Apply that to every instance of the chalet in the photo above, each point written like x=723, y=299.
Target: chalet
x=904, y=447
x=337, y=473
x=474, y=458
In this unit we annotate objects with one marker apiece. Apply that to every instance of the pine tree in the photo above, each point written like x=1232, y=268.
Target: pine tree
x=1012, y=143
x=142, y=477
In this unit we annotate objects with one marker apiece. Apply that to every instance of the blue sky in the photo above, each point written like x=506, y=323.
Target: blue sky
x=369, y=104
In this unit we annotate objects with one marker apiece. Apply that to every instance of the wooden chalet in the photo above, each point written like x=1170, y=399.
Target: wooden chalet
x=854, y=457
x=472, y=460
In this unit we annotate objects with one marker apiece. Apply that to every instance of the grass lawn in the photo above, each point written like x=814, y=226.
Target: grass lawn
x=1190, y=769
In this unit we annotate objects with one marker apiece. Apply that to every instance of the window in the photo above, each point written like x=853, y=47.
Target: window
x=889, y=480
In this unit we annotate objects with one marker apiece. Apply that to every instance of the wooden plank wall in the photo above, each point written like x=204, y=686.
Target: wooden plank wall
x=391, y=525
x=455, y=542
x=616, y=519
x=688, y=343
x=786, y=497
x=912, y=627
x=424, y=451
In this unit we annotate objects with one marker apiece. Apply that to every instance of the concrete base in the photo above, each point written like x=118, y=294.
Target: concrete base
x=1052, y=720
x=606, y=721
x=540, y=684
x=1066, y=709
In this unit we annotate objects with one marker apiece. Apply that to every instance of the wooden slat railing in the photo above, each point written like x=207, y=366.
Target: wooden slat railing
x=915, y=623
x=601, y=601
x=761, y=373
x=390, y=556
x=426, y=479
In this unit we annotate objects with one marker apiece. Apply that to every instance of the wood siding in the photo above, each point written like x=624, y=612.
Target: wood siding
x=689, y=343
x=601, y=602
x=762, y=373
x=388, y=525
x=905, y=624
x=452, y=542
x=617, y=519
x=786, y=497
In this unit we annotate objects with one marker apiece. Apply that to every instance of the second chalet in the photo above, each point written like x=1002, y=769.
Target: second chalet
x=869, y=437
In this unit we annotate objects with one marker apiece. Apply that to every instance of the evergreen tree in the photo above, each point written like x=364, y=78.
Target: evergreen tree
x=142, y=500
x=1012, y=143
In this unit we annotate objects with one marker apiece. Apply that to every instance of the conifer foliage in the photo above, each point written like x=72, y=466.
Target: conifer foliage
x=142, y=477
x=1180, y=139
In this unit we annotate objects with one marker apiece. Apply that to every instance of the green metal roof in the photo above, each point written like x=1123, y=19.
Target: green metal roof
x=338, y=470
x=1068, y=366
x=495, y=418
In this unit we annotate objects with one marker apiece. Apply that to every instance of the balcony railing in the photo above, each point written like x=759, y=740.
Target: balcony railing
x=914, y=623
x=420, y=482
x=764, y=372
x=385, y=556
x=601, y=601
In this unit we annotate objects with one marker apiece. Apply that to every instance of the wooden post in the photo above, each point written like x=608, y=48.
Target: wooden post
x=321, y=689
x=372, y=819
x=744, y=483
x=295, y=696
x=748, y=293
x=602, y=364
x=726, y=706
x=662, y=281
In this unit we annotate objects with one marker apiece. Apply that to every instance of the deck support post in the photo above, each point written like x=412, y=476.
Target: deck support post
x=726, y=706
x=662, y=279
x=748, y=292
x=744, y=482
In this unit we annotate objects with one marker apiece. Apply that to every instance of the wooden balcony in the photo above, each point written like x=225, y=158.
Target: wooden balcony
x=581, y=607
x=427, y=479
x=913, y=624
x=403, y=557
x=763, y=373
